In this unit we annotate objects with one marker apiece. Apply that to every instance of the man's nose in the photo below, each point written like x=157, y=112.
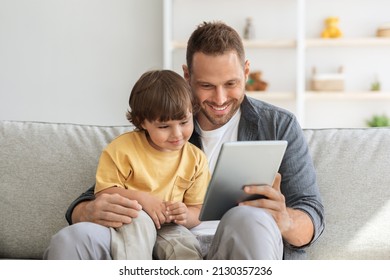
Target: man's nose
x=220, y=95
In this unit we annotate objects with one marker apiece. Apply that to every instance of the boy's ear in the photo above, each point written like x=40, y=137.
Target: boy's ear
x=142, y=126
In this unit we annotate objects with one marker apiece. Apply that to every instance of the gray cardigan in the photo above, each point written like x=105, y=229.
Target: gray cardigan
x=263, y=121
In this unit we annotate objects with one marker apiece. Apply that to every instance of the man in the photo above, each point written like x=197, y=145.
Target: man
x=281, y=226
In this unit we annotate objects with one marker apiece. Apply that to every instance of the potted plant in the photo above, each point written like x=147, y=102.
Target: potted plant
x=378, y=121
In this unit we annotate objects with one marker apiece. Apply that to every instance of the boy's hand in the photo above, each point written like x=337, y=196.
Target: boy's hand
x=155, y=208
x=176, y=212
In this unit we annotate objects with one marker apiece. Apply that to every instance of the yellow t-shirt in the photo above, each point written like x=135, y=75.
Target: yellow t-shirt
x=130, y=162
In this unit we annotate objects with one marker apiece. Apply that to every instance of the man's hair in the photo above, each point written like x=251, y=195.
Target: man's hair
x=214, y=38
x=160, y=95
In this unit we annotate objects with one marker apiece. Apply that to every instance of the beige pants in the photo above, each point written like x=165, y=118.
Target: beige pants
x=141, y=241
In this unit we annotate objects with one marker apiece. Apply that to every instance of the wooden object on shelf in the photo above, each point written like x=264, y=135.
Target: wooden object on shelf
x=383, y=31
x=328, y=81
x=255, y=82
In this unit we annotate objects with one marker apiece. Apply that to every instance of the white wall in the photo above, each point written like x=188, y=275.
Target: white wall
x=75, y=60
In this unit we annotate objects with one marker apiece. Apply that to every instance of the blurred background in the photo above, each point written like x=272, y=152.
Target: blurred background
x=75, y=61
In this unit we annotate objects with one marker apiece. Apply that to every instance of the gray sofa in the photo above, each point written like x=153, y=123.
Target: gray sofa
x=44, y=166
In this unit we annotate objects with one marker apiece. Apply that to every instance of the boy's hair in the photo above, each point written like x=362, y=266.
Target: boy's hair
x=214, y=38
x=160, y=95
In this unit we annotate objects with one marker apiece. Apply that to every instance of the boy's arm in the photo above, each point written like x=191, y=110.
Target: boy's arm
x=193, y=216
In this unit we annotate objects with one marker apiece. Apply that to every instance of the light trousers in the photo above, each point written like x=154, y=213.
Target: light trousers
x=244, y=232
x=140, y=240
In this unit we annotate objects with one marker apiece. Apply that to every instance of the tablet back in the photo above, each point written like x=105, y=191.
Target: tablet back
x=240, y=163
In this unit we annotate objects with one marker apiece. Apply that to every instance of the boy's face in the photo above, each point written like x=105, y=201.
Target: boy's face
x=218, y=82
x=170, y=135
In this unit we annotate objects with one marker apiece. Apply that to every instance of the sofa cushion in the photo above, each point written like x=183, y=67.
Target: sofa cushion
x=353, y=169
x=43, y=168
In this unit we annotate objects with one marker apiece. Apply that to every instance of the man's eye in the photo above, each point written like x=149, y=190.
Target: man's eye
x=163, y=126
x=231, y=84
x=207, y=86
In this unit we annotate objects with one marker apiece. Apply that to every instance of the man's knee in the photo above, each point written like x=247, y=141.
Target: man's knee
x=243, y=217
x=77, y=233
x=248, y=233
x=80, y=241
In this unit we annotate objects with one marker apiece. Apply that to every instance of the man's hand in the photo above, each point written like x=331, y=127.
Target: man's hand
x=110, y=210
x=295, y=225
x=273, y=203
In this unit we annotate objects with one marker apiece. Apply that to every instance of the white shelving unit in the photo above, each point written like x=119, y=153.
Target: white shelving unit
x=297, y=96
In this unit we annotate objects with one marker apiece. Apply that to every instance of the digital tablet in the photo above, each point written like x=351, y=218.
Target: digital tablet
x=239, y=164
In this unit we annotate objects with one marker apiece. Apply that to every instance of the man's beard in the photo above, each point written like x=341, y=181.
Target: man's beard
x=221, y=120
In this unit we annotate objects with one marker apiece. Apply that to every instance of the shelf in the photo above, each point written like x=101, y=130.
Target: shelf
x=348, y=42
x=257, y=44
x=266, y=95
x=321, y=95
x=367, y=95
x=310, y=43
x=179, y=45
x=272, y=43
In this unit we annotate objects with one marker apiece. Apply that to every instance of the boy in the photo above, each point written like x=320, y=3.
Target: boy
x=157, y=166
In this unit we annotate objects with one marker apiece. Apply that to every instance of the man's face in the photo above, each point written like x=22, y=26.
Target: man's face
x=218, y=82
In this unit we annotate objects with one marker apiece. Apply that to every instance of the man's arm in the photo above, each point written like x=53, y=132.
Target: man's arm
x=300, y=230
x=111, y=210
x=298, y=201
x=84, y=197
x=295, y=225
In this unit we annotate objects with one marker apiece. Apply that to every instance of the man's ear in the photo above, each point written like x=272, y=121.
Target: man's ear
x=186, y=72
x=247, y=69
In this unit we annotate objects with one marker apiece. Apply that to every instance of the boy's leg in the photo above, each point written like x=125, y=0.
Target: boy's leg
x=81, y=241
x=247, y=233
x=176, y=242
x=134, y=241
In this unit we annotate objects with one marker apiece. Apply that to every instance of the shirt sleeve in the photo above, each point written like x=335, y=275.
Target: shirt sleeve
x=110, y=171
x=299, y=183
x=85, y=196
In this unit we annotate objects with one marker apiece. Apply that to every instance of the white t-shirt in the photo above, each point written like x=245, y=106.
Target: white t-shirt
x=212, y=140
